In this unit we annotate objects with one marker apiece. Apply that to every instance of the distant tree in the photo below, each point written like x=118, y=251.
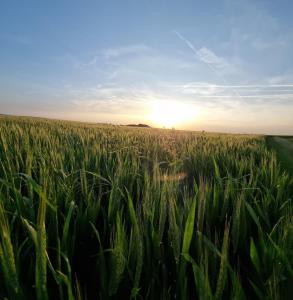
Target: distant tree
x=139, y=125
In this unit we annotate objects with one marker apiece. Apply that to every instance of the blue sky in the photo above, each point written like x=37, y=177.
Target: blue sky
x=110, y=61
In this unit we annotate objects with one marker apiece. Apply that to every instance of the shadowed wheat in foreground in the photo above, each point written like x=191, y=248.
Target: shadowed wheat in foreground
x=108, y=212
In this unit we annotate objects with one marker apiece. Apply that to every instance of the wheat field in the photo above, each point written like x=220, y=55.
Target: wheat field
x=110, y=212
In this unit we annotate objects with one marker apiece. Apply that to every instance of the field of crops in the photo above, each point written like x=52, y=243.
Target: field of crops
x=109, y=212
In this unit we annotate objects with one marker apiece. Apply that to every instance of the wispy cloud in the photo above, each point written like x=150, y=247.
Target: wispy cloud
x=284, y=79
x=83, y=65
x=208, y=56
x=126, y=50
x=123, y=100
x=258, y=96
x=247, y=87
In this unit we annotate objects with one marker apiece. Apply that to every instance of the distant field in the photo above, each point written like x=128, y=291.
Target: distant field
x=107, y=212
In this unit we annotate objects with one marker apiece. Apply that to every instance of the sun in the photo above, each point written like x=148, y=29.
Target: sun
x=171, y=113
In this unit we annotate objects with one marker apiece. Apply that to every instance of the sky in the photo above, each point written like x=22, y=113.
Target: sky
x=199, y=65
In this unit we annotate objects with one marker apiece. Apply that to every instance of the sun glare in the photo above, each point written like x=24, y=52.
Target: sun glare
x=171, y=114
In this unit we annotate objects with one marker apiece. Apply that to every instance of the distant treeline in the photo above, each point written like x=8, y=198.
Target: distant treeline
x=139, y=125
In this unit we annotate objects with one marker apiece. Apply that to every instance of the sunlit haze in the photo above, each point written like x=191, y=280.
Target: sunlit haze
x=199, y=65
x=170, y=114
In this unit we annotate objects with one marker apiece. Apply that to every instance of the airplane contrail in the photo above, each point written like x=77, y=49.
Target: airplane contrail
x=261, y=86
x=249, y=96
x=210, y=66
